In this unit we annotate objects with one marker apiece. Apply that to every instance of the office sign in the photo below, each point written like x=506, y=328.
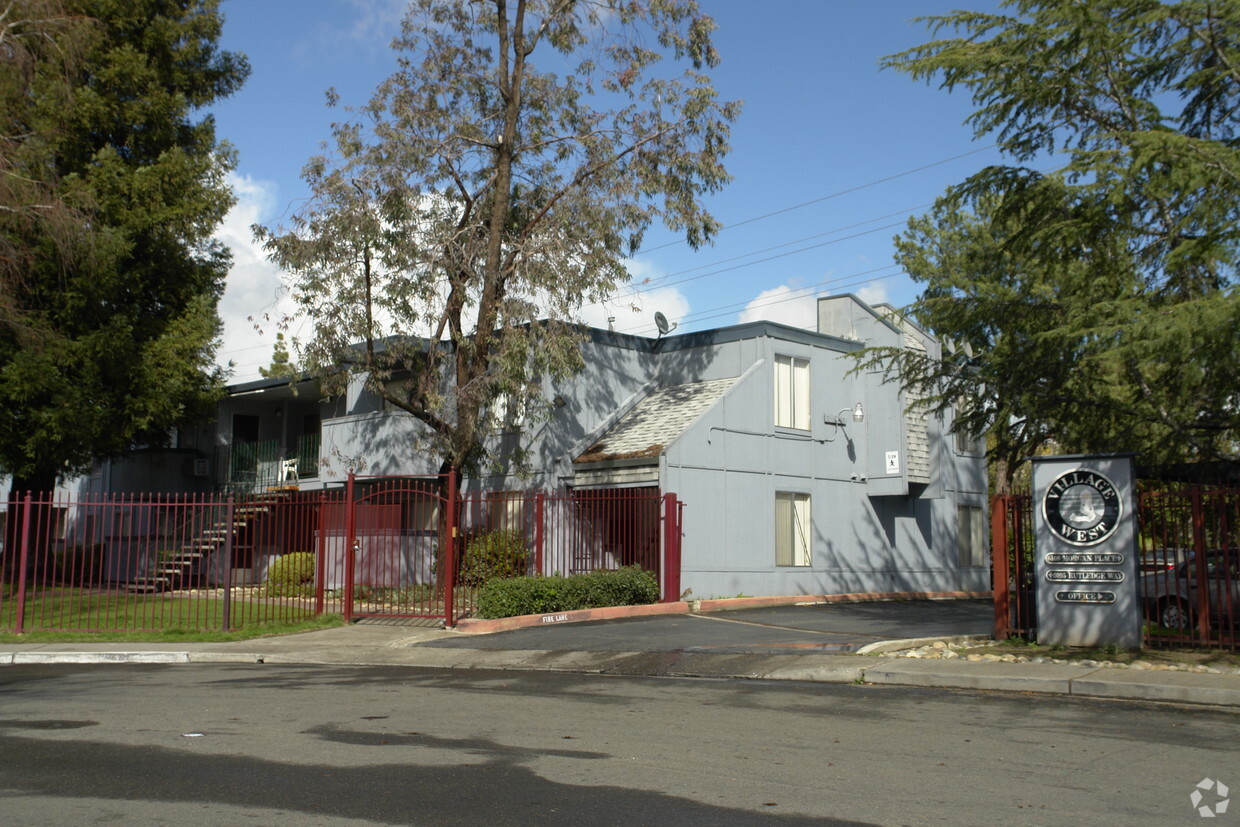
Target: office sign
x=1085, y=539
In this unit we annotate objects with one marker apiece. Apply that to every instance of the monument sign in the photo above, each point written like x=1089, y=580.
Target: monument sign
x=1085, y=541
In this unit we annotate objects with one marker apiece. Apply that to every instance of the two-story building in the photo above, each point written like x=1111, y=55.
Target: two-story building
x=798, y=475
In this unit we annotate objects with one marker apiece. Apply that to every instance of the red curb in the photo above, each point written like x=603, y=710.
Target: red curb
x=478, y=626
x=854, y=597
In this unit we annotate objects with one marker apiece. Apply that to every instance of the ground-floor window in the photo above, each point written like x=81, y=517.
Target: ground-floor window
x=971, y=535
x=792, y=529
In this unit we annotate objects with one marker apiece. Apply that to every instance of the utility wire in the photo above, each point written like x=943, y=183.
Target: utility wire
x=847, y=280
x=658, y=280
x=828, y=197
x=645, y=288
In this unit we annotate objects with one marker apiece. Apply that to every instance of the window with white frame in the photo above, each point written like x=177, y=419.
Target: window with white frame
x=791, y=392
x=971, y=536
x=792, y=529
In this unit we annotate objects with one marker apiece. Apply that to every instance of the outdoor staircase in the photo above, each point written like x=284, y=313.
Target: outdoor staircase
x=189, y=566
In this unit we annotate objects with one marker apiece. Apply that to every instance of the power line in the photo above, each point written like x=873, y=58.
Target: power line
x=848, y=280
x=828, y=197
x=657, y=281
x=644, y=288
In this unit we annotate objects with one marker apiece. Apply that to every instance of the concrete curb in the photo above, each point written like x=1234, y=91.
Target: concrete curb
x=1010, y=677
x=726, y=603
x=885, y=646
x=1187, y=687
x=23, y=658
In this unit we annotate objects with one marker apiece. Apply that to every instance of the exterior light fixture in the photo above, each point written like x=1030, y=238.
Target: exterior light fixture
x=858, y=415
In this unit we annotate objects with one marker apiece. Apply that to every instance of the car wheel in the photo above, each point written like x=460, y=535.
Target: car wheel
x=1173, y=614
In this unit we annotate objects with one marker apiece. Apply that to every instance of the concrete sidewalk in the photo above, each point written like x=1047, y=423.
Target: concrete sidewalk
x=388, y=645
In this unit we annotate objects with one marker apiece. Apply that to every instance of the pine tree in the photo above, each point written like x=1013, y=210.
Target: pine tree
x=110, y=189
x=1093, y=304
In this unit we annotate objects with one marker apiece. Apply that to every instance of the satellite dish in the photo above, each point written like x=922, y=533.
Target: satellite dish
x=660, y=321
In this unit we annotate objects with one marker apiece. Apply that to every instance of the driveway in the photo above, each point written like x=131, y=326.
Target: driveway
x=822, y=628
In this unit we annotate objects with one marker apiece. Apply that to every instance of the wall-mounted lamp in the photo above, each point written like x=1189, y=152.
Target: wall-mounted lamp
x=858, y=415
x=559, y=401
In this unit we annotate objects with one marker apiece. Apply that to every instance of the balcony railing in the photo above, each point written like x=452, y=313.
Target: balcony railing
x=257, y=466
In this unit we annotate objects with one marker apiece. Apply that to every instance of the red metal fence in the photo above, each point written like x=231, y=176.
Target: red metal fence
x=1188, y=569
x=377, y=546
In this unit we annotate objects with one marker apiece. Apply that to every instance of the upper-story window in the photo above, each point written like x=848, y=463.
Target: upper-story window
x=966, y=444
x=791, y=392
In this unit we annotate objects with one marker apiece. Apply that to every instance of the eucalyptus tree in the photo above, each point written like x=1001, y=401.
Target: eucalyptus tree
x=1087, y=288
x=493, y=184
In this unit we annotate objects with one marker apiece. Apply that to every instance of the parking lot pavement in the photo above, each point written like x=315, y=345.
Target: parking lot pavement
x=818, y=628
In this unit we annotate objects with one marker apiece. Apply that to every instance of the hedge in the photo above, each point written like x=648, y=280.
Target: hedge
x=628, y=586
x=494, y=554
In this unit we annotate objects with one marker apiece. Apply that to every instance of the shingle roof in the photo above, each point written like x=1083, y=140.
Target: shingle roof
x=656, y=421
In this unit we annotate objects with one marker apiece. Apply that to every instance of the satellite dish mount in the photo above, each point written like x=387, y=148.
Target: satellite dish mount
x=660, y=321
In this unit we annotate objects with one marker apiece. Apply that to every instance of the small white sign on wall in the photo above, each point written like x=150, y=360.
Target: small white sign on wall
x=893, y=462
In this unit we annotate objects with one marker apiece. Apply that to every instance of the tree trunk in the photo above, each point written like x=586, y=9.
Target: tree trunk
x=40, y=485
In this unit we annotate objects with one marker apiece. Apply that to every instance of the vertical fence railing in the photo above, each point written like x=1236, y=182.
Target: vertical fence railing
x=1011, y=521
x=565, y=532
x=450, y=543
x=23, y=564
x=1190, y=567
x=151, y=562
x=373, y=546
x=1000, y=566
x=673, y=511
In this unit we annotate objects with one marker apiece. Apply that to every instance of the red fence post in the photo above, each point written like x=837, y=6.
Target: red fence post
x=21, y=565
x=320, y=574
x=538, y=532
x=350, y=538
x=449, y=555
x=230, y=515
x=1000, y=571
x=1199, y=564
x=671, y=548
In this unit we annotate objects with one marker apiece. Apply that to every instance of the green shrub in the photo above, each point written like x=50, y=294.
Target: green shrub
x=290, y=574
x=629, y=586
x=494, y=554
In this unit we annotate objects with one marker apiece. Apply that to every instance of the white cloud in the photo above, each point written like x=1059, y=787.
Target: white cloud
x=377, y=21
x=254, y=296
x=631, y=309
x=784, y=305
x=873, y=293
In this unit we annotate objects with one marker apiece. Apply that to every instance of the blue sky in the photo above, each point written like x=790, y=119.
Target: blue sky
x=820, y=156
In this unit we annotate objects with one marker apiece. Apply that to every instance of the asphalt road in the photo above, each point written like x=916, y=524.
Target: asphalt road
x=267, y=744
x=827, y=627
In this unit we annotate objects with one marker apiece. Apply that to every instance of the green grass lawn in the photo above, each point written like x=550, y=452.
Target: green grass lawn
x=62, y=614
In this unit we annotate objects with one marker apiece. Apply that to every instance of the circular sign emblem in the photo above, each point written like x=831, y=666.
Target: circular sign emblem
x=1082, y=507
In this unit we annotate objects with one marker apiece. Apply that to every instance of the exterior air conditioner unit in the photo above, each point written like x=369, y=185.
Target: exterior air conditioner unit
x=201, y=468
